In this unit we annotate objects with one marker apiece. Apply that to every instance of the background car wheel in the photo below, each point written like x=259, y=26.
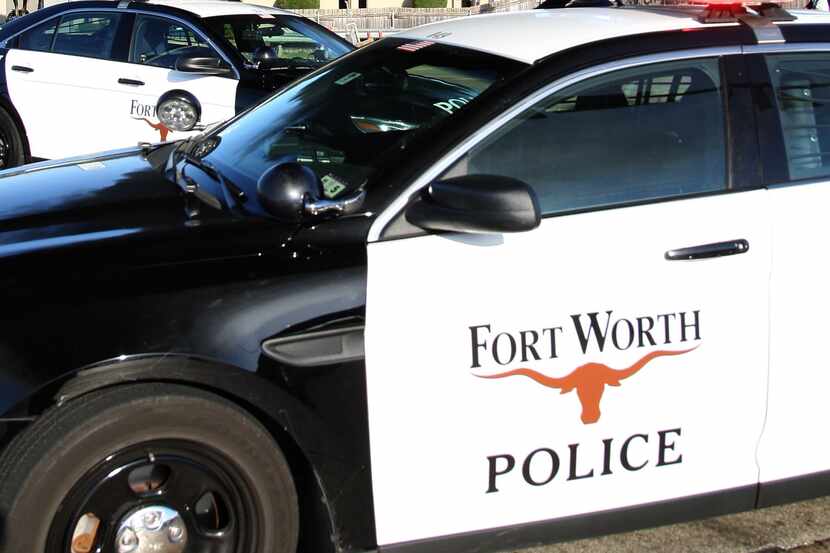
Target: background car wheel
x=147, y=467
x=11, y=143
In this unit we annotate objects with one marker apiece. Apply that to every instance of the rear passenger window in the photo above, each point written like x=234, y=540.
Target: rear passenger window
x=629, y=136
x=39, y=38
x=802, y=90
x=88, y=34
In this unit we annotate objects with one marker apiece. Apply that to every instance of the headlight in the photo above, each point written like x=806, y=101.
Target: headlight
x=177, y=112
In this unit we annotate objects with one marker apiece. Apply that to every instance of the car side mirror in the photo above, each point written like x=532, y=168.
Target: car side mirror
x=292, y=192
x=202, y=65
x=476, y=204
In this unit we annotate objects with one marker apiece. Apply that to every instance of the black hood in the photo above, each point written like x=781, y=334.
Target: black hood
x=55, y=204
x=117, y=211
x=65, y=190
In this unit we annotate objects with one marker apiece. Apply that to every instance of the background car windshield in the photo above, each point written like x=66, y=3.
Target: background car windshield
x=285, y=38
x=355, y=116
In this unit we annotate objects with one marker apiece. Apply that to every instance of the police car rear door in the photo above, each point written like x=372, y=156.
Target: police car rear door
x=614, y=357
x=60, y=80
x=156, y=44
x=797, y=137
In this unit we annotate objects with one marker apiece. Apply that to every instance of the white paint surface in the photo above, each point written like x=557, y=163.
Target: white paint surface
x=89, y=111
x=793, y=442
x=433, y=423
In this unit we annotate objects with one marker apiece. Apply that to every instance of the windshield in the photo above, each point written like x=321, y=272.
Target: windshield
x=279, y=38
x=357, y=115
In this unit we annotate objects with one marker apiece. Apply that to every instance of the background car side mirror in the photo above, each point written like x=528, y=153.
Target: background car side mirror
x=202, y=65
x=478, y=204
x=292, y=192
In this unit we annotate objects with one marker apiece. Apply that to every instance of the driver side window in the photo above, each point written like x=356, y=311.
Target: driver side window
x=642, y=134
x=159, y=42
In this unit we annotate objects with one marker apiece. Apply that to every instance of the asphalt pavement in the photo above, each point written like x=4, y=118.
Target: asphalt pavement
x=796, y=528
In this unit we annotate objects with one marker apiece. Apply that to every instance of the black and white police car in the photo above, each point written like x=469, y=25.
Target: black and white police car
x=83, y=77
x=496, y=281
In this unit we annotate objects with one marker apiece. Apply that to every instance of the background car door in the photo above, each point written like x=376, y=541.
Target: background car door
x=156, y=44
x=793, y=443
x=575, y=368
x=61, y=81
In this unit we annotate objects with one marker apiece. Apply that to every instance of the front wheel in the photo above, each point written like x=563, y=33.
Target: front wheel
x=147, y=468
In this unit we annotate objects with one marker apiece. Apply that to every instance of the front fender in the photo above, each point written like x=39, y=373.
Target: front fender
x=339, y=485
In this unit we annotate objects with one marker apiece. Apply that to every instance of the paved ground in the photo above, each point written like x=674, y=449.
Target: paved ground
x=797, y=528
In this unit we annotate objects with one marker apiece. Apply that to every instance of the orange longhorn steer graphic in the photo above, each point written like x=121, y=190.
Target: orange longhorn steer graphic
x=589, y=380
x=160, y=127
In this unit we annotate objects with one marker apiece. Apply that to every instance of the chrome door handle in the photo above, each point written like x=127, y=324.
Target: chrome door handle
x=704, y=251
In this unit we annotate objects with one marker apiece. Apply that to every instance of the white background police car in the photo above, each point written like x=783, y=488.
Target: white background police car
x=491, y=282
x=82, y=77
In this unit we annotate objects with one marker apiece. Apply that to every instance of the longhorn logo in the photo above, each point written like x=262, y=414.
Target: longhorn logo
x=160, y=127
x=589, y=380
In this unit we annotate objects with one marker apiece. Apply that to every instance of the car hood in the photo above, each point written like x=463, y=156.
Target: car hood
x=52, y=205
x=64, y=190
x=117, y=213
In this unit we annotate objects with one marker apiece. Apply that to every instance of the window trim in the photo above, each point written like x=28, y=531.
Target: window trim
x=4, y=44
x=390, y=213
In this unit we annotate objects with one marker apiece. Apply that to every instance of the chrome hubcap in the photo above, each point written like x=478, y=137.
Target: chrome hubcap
x=152, y=529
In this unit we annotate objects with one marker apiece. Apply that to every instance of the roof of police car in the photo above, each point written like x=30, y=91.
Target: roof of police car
x=210, y=8
x=531, y=35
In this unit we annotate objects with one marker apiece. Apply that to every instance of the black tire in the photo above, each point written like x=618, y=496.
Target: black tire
x=12, y=152
x=55, y=461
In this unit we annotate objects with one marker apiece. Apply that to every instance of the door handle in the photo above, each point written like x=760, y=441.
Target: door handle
x=22, y=69
x=131, y=82
x=718, y=249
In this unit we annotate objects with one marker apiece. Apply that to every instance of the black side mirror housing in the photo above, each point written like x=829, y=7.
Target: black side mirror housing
x=202, y=65
x=285, y=188
x=481, y=204
x=291, y=192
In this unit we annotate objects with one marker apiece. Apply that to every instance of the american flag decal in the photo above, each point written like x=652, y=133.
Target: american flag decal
x=415, y=46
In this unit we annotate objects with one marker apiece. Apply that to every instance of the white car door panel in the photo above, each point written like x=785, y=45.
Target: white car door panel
x=137, y=117
x=82, y=95
x=482, y=453
x=157, y=43
x=97, y=104
x=31, y=77
x=571, y=369
x=64, y=94
x=798, y=409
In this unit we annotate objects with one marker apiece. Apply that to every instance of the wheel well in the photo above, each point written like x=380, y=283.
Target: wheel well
x=21, y=128
x=316, y=528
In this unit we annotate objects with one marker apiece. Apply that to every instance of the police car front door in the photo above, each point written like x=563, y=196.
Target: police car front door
x=156, y=45
x=593, y=363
